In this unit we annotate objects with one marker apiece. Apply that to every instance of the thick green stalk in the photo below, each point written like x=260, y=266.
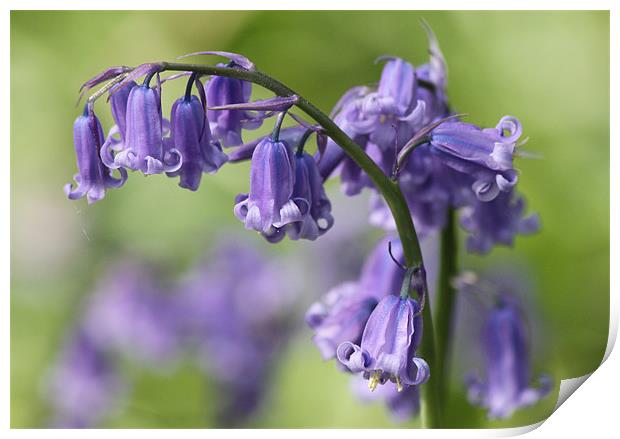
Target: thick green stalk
x=445, y=302
x=389, y=189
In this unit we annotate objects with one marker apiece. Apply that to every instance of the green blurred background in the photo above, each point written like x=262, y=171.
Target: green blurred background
x=550, y=69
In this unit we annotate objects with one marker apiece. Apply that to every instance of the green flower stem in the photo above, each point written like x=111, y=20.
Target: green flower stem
x=445, y=302
x=389, y=189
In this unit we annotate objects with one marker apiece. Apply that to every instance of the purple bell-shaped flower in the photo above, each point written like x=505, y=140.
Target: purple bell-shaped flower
x=93, y=177
x=507, y=367
x=145, y=149
x=227, y=124
x=269, y=205
x=191, y=136
x=387, y=351
x=486, y=153
x=310, y=197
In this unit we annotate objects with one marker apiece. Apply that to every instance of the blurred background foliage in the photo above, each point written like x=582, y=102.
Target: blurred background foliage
x=550, y=69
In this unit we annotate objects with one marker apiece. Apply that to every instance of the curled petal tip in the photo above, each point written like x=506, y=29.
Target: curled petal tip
x=240, y=60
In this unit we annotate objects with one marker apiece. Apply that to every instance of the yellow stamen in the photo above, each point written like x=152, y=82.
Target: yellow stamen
x=374, y=380
x=399, y=385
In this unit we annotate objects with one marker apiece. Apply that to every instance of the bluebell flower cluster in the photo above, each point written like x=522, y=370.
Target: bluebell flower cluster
x=235, y=337
x=454, y=165
x=286, y=195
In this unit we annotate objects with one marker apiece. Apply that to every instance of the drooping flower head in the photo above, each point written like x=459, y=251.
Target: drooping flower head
x=145, y=149
x=84, y=385
x=342, y=314
x=191, y=136
x=383, y=119
x=490, y=149
x=269, y=205
x=506, y=364
x=389, y=343
x=227, y=124
x=392, y=113
x=93, y=177
x=309, y=196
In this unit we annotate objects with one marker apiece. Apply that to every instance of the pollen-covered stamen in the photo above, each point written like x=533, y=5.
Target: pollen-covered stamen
x=399, y=385
x=375, y=379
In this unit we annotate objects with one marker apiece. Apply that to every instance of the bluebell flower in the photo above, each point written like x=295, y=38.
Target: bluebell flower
x=506, y=387
x=389, y=343
x=490, y=149
x=93, y=177
x=269, y=204
x=191, y=136
x=145, y=149
x=404, y=101
x=497, y=222
x=84, y=385
x=391, y=114
x=118, y=107
x=129, y=314
x=115, y=141
x=227, y=124
x=310, y=197
x=344, y=311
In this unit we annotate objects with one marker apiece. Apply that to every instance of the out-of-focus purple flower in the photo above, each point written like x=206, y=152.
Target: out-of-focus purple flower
x=130, y=314
x=387, y=351
x=403, y=406
x=144, y=148
x=238, y=335
x=340, y=317
x=93, y=177
x=497, y=222
x=191, y=136
x=507, y=364
x=311, y=200
x=227, y=124
x=83, y=386
x=344, y=311
x=269, y=205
